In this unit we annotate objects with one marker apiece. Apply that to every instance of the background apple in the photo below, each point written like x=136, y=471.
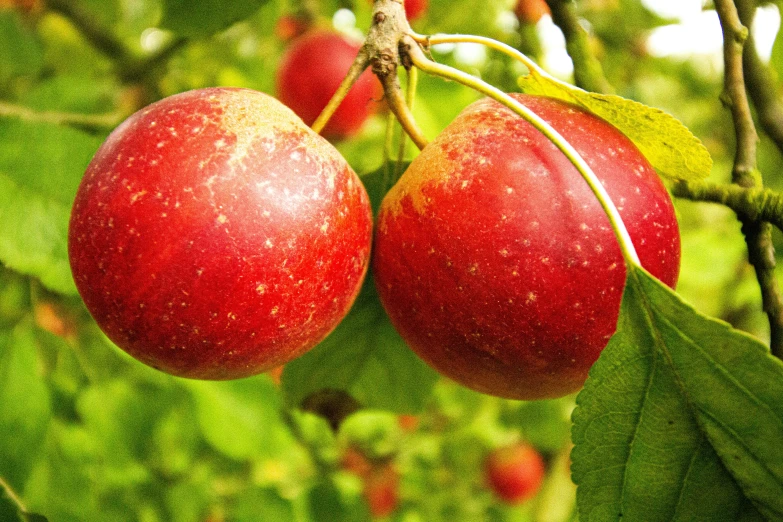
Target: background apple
x=531, y=11
x=381, y=489
x=514, y=473
x=215, y=236
x=309, y=74
x=496, y=262
x=414, y=9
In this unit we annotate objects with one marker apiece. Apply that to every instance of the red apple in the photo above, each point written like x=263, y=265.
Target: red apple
x=514, y=473
x=496, y=262
x=355, y=461
x=413, y=8
x=215, y=236
x=381, y=490
x=309, y=74
x=531, y=11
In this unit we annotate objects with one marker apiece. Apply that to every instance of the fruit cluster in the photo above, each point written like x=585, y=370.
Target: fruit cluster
x=216, y=236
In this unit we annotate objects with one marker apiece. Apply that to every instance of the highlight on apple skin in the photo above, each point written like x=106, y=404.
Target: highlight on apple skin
x=496, y=262
x=215, y=236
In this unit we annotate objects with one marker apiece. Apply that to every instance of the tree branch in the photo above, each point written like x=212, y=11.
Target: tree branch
x=750, y=204
x=758, y=234
x=588, y=73
x=88, y=122
x=139, y=68
x=100, y=37
x=130, y=67
x=759, y=80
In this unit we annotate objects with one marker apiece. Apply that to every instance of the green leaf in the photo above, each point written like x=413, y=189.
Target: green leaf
x=377, y=433
x=262, y=504
x=378, y=182
x=328, y=504
x=666, y=143
x=241, y=418
x=776, y=58
x=22, y=52
x=63, y=483
x=366, y=358
x=681, y=418
x=207, y=17
x=544, y=424
x=123, y=446
x=8, y=510
x=26, y=405
x=36, y=193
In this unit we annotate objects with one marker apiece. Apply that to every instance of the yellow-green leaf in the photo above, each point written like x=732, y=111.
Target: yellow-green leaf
x=666, y=143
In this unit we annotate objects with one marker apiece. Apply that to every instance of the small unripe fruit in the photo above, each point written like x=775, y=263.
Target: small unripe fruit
x=215, y=236
x=311, y=71
x=514, y=473
x=494, y=259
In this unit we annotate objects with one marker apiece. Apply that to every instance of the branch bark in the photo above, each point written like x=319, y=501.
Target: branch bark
x=130, y=67
x=750, y=204
x=588, y=73
x=758, y=234
x=88, y=122
x=760, y=81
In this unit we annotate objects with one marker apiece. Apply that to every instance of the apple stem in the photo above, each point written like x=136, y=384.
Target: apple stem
x=492, y=44
x=410, y=98
x=361, y=62
x=398, y=106
x=416, y=55
x=387, y=150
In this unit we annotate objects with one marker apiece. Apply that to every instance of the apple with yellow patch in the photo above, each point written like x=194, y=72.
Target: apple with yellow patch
x=495, y=261
x=215, y=236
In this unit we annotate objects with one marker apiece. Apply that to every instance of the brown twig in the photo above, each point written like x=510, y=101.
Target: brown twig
x=387, y=41
x=588, y=73
x=758, y=234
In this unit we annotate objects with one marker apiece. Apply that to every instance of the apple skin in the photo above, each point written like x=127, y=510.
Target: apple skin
x=382, y=490
x=514, y=473
x=215, y=236
x=531, y=11
x=415, y=9
x=309, y=74
x=495, y=261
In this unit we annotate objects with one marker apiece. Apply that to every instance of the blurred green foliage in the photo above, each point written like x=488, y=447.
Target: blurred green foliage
x=88, y=434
